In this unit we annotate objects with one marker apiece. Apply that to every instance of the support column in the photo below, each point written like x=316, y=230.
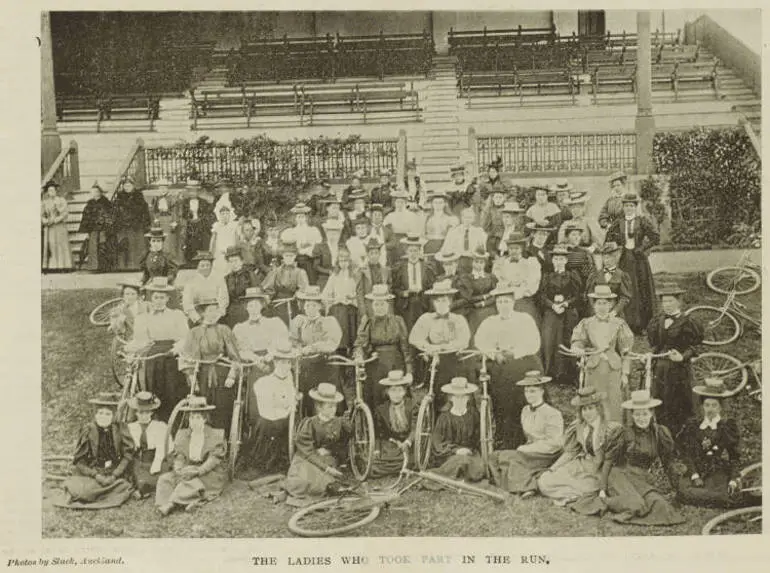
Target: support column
x=645, y=121
x=50, y=140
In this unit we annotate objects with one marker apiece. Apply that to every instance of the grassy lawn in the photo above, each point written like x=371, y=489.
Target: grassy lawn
x=76, y=366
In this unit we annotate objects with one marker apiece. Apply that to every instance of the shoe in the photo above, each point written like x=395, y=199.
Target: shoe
x=527, y=494
x=164, y=510
x=137, y=495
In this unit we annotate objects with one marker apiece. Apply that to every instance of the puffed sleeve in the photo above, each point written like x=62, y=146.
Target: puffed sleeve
x=580, y=335
x=625, y=338
x=81, y=459
x=571, y=447
x=127, y=448
x=693, y=335
x=665, y=447
x=419, y=335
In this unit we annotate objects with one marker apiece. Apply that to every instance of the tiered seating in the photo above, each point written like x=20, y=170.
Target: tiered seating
x=391, y=55
x=306, y=103
x=127, y=111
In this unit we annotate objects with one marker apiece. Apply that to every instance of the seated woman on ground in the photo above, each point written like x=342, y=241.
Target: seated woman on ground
x=149, y=436
x=102, y=460
x=198, y=471
x=321, y=445
x=517, y=470
x=394, y=423
x=122, y=317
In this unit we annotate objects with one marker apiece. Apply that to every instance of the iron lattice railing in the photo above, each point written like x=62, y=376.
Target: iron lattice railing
x=559, y=153
x=291, y=161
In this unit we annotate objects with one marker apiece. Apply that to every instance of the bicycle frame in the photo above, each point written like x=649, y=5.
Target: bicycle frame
x=646, y=358
x=582, y=361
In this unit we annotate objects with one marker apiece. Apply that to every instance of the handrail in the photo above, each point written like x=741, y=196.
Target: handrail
x=125, y=167
x=55, y=166
x=65, y=170
x=743, y=121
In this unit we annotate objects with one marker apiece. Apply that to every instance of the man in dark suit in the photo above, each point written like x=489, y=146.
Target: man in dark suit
x=610, y=274
x=372, y=273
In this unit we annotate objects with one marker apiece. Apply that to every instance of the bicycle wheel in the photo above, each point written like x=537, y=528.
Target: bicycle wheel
x=719, y=326
x=361, y=444
x=332, y=517
x=721, y=365
x=487, y=431
x=100, y=316
x=751, y=480
x=118, y=365
x=740, y=280
x=422, y=433
x=746, y=520
x=236, y=424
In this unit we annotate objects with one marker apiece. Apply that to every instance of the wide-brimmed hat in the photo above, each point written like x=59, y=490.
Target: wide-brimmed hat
x=111, y=399
x=441, y=288
x=670, y=288
x=326, y=392
x=617, y=175
x=560, y=250
x=447, y=257
x=233, y=251
x=144, y=402
x=284, y=350
x=503, y=289
x=437, y=195
x=570, y=227
x=630, y=198
x=288, y=247
x=512, y=207
x=562, y=185
x=158, y=284
x=396, y=378
x=579, y=198
x=155, y=233
x=372, y=244
x=400, y=194
x=131, y=283
x=255, y=293
x=311, y=292
x=587, y=396
x=332, y=225
x=459, y=386
x=712, y=387
x=300, y=209
x=602, y=291
x=205, y=302
x=534, y=227
x=413, y=240
x=478, y=253
x=357, y=194
x=640, y=400
x=609, y=247
x=203, y=256
x=196, y=404
x=376, y=207
x=516, y=238
x=379, y=292
x=533, y=378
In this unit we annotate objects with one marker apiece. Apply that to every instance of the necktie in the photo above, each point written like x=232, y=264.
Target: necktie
x=414, y=274
x=143, y=438
x=467, y=240
x=590, y=441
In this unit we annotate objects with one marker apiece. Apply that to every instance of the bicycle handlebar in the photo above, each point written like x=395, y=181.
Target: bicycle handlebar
x=646, y=355
x=470, y=353
x=338, y=360
x=571, y=352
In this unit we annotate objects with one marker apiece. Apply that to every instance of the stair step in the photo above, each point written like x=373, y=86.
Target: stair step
x=441, y=146
x=440, y=132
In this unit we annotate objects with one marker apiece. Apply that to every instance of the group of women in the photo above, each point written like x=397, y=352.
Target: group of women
x=410, y=289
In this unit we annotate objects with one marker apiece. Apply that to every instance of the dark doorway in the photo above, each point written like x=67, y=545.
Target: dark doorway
x=591, y=23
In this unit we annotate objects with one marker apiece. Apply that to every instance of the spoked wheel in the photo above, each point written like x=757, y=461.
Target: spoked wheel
x=118, y=365
x=130, y=387
x=175, y=422
x=741, y=280
x=487, y=431
x=751, y=480
x=100, y=316
x=236, y=427
x=361, y=444
x=333, y=517
x=746, y=520
x=423, y=431
x=295, y=417
x=719, y=327
x=720, y=365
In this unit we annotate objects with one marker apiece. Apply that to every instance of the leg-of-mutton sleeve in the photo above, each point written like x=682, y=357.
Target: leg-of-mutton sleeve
x=571, y=447
x=552, y=426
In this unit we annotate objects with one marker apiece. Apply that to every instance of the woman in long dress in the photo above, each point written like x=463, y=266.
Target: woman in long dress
x=630, y=494
x=149, y=438
x=517, y=470
x=131, y=220
x=224, y=235
x=97, y=222
x=123, y=316
x=167, y=213
x=199, y=473
x=394, y=423
x=57, y=253
x=608, y=370
x=481, y=283
x=437, y=223
x=340, y=297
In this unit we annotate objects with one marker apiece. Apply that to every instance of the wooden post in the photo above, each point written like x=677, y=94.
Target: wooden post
x=474, y=168
x=140, y=176
x=50, y=141
x=74, y=165
x=401, y=159
x=645, y=121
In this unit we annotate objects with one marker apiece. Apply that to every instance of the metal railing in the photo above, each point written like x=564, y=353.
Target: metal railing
x=65, y=170
x=132, y=166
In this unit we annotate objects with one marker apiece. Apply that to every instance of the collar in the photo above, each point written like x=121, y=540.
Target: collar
x=437, y=315
x=287, y=377
x=605, y=319
x=631, y=218
x=675, y=315
x=159, y=311
x=610, y=270
x=257, y=321
x=710, y=423
x=480, y=275
x=536, y=407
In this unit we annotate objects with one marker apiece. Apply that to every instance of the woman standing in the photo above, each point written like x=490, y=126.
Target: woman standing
x=481, y=283
x=517, y=470
x=122, y=316
x=340, y=298
x=57, y=253
x=608, y=370
x=238, y=280
x=149, y=438
x=437, y=223
x=580, y=470
x=131, y=220
x=305, y=236
x=383, y=333
x=224, y=235
x=511, y=341
x=325, y=253
x=199, y=474
x=167, y=214
x=284, y=282
x=710, y=447
x=198, y=217
x=637, y=235
x=542, y=212
x=97, y=222
x=629, y=492
x=402, y=222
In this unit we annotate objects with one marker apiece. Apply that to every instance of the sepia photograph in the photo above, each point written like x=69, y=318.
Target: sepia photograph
x=400, y=274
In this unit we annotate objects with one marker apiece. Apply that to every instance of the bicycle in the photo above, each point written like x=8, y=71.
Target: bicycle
x=646, y=358
x=102, y=316
x=361, y=444
x=734, y=372
x=741, y=278
x=131, y=382
x=582, y=361
x=486, y=419
x=426, y=415
x=296, y=415
x=720, y=325
x=356, y=505
x=745, y=519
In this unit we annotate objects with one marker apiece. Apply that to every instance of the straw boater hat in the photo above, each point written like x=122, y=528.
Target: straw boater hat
x=253, y=293
x=106, y=399
x=413, y=240
x=511, y=207
x=196, y=404
x=158, y=284
x=357, y=194
x=587, y=396
x=503, y=289
x=376, y=207
x=579, y=198
x=562, y=185
x=373, y=244
x=396, y=378
x=203, y=256
x=300, y=209
x=400, y=194
x=311, y=292
x=671, y=289
x=155, y=233
x=533, y=378
x=326, y=392
x=712, y=387
x=609, y=247
x=131, y=283
x=572, y=227
x=534, y=227
x=436, y=195
x=479, y=253
x=617, y=175
x=284, y=351
x=459, y=386
x=448, y=257
x=630, y=198
x=602, y=291
x=193, y=184
x=205, y=302
x=379, y=292
x=441, y=288
x=144, y=402
x=233, y=251
x=560, y=250
x=516, y=238
x=640, y=400
x=332, y=225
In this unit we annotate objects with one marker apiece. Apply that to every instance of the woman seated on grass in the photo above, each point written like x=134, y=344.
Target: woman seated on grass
x=149, y=437
x=321, y=444
x=122, y=316
x=394, y=423
x=517, y=470
x=102, y=460
x=199, y=473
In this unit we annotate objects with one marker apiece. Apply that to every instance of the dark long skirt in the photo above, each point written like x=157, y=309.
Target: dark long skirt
x=388, y=460
x=517, y=472
x=144, y=481
x=713, y=493
x=98, y=252
x=389, y=358
x=305, y=262
x=197, y=237
x=557, y=329
x=211, y=384
x=163, y=378
x=671, y=382
x=347, y=318
x=266, y=451
x=508, y=399
x=130, y=247
x=84, y=492
x=639, y=309
x=527, y=304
